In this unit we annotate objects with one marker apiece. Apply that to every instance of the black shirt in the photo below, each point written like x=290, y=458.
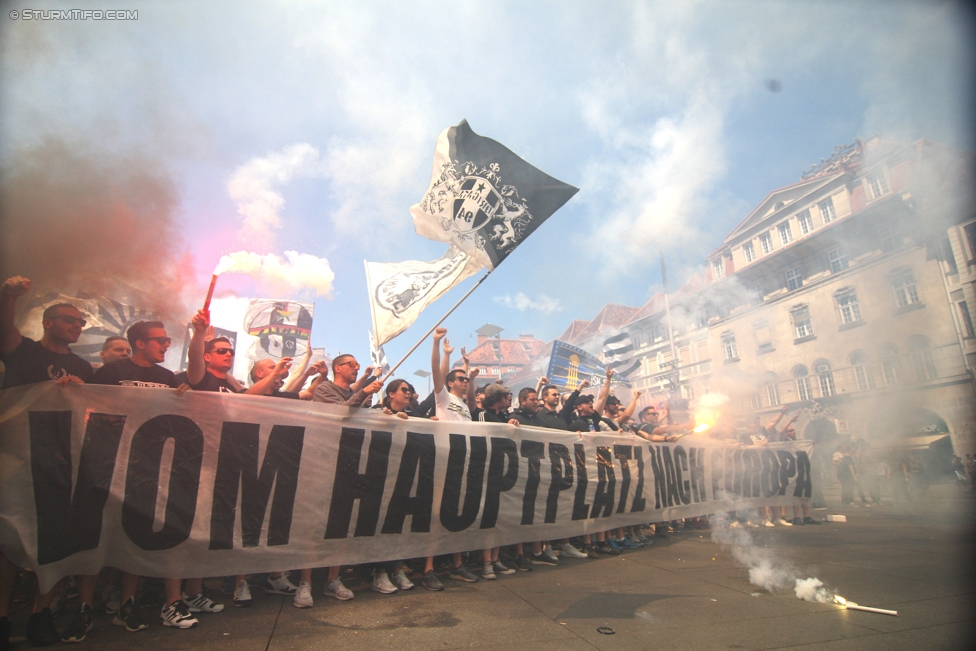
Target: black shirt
x=210, y=382
x=524, y=417
x=488, y=416
x=31, y=362
x=125, y=372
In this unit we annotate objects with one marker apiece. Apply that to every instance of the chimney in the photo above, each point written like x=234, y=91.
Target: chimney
x=482, y=339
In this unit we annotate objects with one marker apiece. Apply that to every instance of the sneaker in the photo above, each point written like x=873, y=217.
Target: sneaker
x=79, y=627
x=462, y=573
x=571, y=552
x=130, y=617
x=488, y=572
x=783, y=522
x=201, y=604
x=751, y=524
x=811, y=521
x=401, y=581
x=59, y=602
x=303, y=596
x=612, y=544
x=501, y=568
x=797, y=522
x=40, y=629
x=591, y=551
x=281, y=585
x=634, y=538
x=337, y=590
x=111, y=599
x=768, y=523
x=734, y=524
x=522, y=564
x=542, y=558
x=607, y=550
x=177, y=615
x=382, y=584
x=228, y=586
x=642, y=538
x=626, y=543
x=242, y=595
x=431, y=582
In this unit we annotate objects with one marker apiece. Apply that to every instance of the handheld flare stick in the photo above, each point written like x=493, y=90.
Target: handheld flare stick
x=850, y=605
x=206, y=303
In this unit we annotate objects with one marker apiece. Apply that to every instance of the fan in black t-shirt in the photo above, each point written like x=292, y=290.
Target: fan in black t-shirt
x=218, y=354
x=28, y=361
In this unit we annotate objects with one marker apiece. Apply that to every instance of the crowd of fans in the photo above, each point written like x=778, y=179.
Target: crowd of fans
x=135, y=360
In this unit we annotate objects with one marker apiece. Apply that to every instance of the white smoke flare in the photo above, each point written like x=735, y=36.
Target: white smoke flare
x=284, y=276
x=765, y=569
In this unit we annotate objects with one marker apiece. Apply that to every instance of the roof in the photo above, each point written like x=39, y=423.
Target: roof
x=611, y=316
x=515, y=352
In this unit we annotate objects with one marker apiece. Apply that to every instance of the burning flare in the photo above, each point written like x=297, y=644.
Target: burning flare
x=709, y=410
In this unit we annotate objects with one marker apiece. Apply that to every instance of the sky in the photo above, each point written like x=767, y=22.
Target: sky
x=140, y=151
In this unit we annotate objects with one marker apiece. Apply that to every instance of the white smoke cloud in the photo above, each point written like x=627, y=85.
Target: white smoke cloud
x=254, y=187
x=766, y=571
x=522, y=302
x=281, y=276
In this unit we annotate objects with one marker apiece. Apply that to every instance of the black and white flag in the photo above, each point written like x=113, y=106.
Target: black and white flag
x=618, y=353
x=483, y=198
x=399, y=291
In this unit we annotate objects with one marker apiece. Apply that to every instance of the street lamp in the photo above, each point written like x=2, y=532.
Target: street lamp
x=426, y=374
x=489, y=330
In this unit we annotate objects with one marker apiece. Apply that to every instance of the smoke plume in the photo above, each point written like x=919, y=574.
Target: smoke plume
x=76, y=218
x=283, y=276
x=766, y=571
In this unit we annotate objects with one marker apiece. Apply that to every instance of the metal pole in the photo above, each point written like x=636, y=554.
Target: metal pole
x=675, y=374
x=434, y=327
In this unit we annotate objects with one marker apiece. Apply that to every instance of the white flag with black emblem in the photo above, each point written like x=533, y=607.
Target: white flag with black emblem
x=483, y=198
x=618, y=354
x=399, y=291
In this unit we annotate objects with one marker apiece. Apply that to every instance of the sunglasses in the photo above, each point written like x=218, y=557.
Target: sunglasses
x=223, y=351
x=406, y=389
x=162, y=341
x=461, y=379
x=71, y=320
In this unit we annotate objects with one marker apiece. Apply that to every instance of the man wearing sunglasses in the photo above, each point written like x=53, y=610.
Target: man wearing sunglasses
x=149, y=343
x=345, y=389
x=28, y=361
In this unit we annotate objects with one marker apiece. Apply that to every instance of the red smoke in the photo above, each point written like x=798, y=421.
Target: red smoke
x=103, y=223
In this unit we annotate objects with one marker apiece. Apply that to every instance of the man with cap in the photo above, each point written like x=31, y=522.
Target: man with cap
x=498, y=399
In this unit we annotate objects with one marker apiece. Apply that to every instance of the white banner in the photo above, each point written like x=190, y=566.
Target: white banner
x=400, y=291
x=212, y=484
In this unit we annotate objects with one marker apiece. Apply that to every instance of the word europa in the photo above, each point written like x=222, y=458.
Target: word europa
x=69, y=523
x=75, y=14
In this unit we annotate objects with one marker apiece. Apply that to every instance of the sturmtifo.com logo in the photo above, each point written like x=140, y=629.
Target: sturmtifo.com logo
x=74, y=14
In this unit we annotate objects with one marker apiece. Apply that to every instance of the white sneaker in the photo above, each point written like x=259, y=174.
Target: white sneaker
x=401, y=581
x=488, y=573
x=201, y=604
x=767, y=523
x=381, y=584
x=303, y=596
x=337, y=590
x=281, y=585
x=784, y=522
x=242, y=594
x=571, y=552
x=734, y=524
x=177, y=615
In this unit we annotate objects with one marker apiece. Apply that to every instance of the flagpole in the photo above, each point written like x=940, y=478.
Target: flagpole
x=675, y=375
x=434, y=327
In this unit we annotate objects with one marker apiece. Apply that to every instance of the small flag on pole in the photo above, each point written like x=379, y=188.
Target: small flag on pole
x=618, y=353
x=378, y=357
x=483, y=198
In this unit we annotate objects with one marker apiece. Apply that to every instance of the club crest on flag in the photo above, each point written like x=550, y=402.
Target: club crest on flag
x=398, y=292
x=480, y=195
x=282, y=327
